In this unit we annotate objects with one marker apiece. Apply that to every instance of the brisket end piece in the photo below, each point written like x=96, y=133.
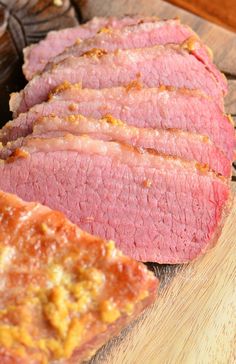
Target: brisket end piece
x=64, y=293
x=156, y=208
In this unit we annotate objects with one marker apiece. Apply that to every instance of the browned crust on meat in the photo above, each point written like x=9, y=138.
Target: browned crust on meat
x=115, y=305
x=72, y=107
x=86, y=353
x=17, y=154
x=78, y=41
x=95, y=53
x=190, y=43
x=105, y=30
x=134, y=85
x=74, y=118
x=111, y=120
x=63, y=87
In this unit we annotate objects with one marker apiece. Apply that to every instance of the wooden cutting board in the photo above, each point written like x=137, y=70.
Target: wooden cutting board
x=194, y=318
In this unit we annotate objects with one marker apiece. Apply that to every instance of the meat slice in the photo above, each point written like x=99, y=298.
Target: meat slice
x=36, y=56
x=142, y=35
x=64, y=293
x=176, y=143
x=158, y=209
x=146, y=108
x=160, y=65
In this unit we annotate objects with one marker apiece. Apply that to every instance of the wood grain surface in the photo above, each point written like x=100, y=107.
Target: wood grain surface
x=230, y=100
x=194, y=319
x=217, y=11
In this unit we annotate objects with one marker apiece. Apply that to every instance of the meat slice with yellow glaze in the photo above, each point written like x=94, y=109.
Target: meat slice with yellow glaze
x=63, y=292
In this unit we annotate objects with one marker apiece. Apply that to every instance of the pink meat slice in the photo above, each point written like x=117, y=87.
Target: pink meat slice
x=170, y=65
x=156, y=208
x=142, y=35
x=176, y=143
x=36, y=56
x=146, y=108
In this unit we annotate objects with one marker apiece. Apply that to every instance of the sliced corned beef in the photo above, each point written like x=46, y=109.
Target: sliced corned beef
x=38, y=55
x=136, y=36
x=170, y=65
x=176, y=143
x=188, y=146
x=146, y=108
x=157, y=209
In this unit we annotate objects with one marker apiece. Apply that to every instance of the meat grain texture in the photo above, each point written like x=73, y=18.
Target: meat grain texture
x=146, y=219
x=144, y=95
x=142, y=35
x=37, y=56
x=168, y=142
x=155, y=66
x=163, y=108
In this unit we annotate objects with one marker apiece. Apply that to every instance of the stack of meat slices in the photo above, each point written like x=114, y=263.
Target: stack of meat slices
x=124, y=131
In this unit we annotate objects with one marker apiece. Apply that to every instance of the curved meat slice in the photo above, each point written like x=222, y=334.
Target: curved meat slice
x=170, y=65
x=164, y=108
x=156, y=208
x=142, y=35
x=170, y=142
x=36, y=56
